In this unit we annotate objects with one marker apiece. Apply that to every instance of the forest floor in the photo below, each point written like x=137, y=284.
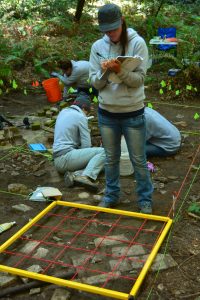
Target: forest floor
x=176, y=180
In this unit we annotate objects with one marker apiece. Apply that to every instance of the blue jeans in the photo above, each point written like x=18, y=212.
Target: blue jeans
x=153, y=150
x=134, y=131
x=92, y=160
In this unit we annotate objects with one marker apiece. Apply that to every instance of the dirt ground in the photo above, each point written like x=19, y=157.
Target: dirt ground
x=175, y=176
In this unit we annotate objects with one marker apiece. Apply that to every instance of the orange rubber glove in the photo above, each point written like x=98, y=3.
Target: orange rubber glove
x=113, y=65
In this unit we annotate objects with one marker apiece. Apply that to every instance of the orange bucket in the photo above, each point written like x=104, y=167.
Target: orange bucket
x=52, y=89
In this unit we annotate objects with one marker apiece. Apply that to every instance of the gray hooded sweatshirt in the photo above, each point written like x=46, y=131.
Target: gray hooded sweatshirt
x=128, y=95
x=71, y=131
x=160, y=132
x=79, y=77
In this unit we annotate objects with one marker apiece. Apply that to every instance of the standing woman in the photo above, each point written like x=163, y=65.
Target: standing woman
x=121, y=106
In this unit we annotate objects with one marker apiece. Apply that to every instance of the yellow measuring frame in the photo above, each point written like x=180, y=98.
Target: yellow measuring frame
x=81, y=286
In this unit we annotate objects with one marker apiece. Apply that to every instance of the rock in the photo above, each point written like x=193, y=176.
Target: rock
x=41, y=113
x=122, y=266
x=110, y=240
x=22, y=207
x=93, y=280
x=14, y=173
x=158, y=185
x=35, y=125
x=161, y=179
x=33, y=268
x=18, y=188
x=54, y=110
x=61, y=294
x=195, y=197
x=35, y=291
x=41, y=252
x=49, y=123
x=56, y=239
x=97, y=197
x=79, y=260
x=163, y=262
x=83, y=195
x=171, y=177
x=49, y=114
x=7, y=279
x=163, y=192
x=160, y=287
x=40, y=173
x=29, y=247
x=133, y=250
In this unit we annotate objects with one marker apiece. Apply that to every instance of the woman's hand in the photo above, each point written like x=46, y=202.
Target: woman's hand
x=113, y=65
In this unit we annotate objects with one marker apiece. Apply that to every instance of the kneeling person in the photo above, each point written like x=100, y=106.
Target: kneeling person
x=72, y=149
x=162, y=137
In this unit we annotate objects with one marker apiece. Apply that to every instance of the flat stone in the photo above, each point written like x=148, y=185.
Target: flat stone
x=80, y=259
x=61, y=294
x=33, y=268
x=22, y=207
x=7, y=279
x=35, y=291
x=110, y=240
x=137, y=262
x=161, y=262
x=83, y=195
x=41, y=252
x=29, y=247
x=132, y=251
x=56, y=239
x=14, y=173
x=121, y=266
x=97, y=197
x=93, y=280
x=18, y=188
x=40, y=173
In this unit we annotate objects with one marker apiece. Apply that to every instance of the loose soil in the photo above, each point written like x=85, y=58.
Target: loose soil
x=175, y=176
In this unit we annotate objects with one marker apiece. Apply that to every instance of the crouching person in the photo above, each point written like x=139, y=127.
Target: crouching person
x=72, y=150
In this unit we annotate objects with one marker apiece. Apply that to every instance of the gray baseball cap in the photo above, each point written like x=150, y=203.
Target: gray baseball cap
x=109, y=17
x=83, y=101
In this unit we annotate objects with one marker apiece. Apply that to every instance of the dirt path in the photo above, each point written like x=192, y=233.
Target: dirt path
x=176, y=176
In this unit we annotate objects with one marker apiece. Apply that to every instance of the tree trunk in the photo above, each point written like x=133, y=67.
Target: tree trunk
x=79, y=10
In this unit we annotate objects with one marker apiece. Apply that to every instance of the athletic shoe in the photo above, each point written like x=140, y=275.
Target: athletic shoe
x=146, y=209
x=86, y=182
x=108, y=204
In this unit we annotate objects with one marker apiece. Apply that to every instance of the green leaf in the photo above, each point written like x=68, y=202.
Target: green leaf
x=196, y=116
x=161, y=91
x=1, y=92
x=88, y=80
x=188, y=87
x=170, y=87
x=177, y=92
x=25, y=92
x=150, y=105
x=14, y=84
x=95, y=100
x=163, y=84
x=90, y=90
x=71, y=90
x=1, y=82
x=195, y=89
